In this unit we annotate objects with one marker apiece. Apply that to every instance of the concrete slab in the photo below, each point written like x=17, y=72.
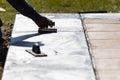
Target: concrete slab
x=104, y=35
x=56, y=66
x=102, y=27
x=102, y=21
x=101, y=15
x=105, y=44
x=65, y=55
x=106, y=53
x=109, y=75
x=69, y=24
x=68, y=56
x=108, y=64
x=61, y=15
x=54, y=40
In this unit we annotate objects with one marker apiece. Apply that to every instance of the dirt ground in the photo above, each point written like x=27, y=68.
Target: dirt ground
x=1, y=72
x=6, y=36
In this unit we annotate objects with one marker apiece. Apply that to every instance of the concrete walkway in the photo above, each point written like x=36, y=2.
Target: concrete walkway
x=103, y=33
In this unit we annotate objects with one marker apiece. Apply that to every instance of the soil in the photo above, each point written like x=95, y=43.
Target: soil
x=1, y=70
x=4, y=45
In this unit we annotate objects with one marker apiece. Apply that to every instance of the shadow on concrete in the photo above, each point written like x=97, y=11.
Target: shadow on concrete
x=19, y=41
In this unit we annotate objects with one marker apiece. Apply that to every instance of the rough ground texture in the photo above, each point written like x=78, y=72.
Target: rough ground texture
x=0, y=72
x=4, y=46
x=3, y=53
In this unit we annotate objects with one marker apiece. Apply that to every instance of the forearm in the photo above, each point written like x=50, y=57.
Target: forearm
x=24, y=8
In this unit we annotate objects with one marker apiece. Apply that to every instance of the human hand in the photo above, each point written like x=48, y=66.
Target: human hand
x=44, y=23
